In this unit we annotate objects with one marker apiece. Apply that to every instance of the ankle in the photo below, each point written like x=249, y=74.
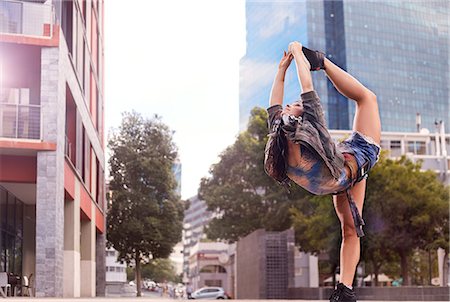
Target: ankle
x=348, y=286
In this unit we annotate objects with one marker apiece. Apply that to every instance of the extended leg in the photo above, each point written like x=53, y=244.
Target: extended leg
x=367, y=118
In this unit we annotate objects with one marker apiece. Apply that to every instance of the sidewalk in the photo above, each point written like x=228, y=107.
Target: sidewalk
x=146, y=299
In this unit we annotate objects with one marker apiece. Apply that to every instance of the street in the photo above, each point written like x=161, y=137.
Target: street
x=142, y=299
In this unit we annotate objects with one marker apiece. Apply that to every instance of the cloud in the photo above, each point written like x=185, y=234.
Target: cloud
x=254, y=76
x=271, y=18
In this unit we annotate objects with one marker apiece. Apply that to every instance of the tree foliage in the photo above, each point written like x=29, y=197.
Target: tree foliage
x=160, y=270
x=406, y=209
x=144, y=213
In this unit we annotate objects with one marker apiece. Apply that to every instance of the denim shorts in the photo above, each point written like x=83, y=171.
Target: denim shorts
x=365, y=151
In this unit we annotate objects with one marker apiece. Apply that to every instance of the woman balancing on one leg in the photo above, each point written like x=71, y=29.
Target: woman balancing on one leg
x=301, y=149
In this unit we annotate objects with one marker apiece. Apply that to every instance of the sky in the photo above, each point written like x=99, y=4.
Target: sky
x=180, y=60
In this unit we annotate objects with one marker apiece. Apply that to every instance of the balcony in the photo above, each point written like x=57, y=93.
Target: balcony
x=20, y=121
x=19, y=118
x=32, y=19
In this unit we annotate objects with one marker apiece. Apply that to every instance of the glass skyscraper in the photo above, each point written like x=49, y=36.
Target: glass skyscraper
x=398, y=49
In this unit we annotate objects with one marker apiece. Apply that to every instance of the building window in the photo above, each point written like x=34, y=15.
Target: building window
x=217, y=283
x=416, y=147
x=213, y=269
x=11, y=17
x=11, y=232
x=67, y=23
x=396, y=149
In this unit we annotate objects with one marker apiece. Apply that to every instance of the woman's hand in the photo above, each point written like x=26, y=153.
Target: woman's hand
x=285, y=61
x=295, y=48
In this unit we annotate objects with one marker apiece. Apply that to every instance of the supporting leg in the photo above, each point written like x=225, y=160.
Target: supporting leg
x=2, y=292
x=350, y=247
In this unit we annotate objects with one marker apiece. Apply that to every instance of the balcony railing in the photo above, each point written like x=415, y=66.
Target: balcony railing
x=26, y=18
x=20, y=121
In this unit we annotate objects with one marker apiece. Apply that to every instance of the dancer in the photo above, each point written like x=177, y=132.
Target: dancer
x=301, y=149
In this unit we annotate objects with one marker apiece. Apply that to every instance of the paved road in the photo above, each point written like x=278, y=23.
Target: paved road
x=143, y=299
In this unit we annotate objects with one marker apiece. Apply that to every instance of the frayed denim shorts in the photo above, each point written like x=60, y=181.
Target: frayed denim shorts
x=365, y=151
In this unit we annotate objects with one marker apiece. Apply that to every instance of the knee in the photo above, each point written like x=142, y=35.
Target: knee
x=368, y=97
x=348, y=231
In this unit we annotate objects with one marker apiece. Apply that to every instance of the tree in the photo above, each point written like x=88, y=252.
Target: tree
x=144, y=213
x=160, y=270
x=406, y=209
x=238, y=191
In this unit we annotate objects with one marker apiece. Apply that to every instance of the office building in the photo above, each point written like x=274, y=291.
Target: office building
x=398, y=49
x=196, y=217
x=52, y=158
x=116, y=274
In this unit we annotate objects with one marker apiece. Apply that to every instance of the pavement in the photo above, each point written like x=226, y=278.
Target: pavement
x=142, y=299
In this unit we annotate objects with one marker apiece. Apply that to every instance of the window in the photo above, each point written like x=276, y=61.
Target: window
x=11, y=17
x=217, y=283
x=213, y=269
x=11, y=232
x=416, y=147
x=395, y=149
x=67, y=23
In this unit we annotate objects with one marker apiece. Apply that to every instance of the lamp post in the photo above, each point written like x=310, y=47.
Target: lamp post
x=418, y=121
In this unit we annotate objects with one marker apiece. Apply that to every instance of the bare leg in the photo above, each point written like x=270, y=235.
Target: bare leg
x=367, y=122
x=367, y=117
x=350, y=247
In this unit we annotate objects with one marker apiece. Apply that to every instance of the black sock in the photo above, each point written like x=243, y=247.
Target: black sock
x=315, y=58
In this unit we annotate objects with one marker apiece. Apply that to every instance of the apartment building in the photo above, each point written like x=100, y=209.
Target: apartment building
x=52, y=158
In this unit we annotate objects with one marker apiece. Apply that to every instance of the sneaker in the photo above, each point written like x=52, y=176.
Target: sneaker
x=343, y=294
x=315, y=58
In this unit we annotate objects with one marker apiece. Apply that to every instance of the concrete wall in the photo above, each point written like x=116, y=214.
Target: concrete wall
x=49, y=184
x=250, y=255
x=377, y=293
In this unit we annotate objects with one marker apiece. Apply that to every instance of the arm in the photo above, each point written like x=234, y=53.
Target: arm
x=303, y=67
x=276, y=95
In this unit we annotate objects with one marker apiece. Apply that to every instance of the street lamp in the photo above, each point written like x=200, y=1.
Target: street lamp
x=418, y=121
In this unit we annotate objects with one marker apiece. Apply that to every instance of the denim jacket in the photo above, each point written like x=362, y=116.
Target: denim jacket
x=310, y=131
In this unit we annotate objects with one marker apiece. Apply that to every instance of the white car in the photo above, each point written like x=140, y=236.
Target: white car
x=209, y=293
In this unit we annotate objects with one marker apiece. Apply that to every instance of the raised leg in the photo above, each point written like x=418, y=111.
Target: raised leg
x=367, y=117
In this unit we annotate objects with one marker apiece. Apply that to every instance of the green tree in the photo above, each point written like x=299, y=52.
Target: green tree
x=238, y=191
x=405, y=209
x=317, y=229
x=144, y=213
x=160, y=270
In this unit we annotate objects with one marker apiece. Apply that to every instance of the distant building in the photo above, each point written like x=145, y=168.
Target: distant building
x=433, y=149
x=116, y=274
x=176, y=169
x=196, y=217
x=209, y=265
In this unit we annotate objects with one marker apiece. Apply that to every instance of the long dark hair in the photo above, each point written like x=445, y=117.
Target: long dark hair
x=276, y=155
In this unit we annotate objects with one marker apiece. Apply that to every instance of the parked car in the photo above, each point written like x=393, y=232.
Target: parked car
x=209, y=293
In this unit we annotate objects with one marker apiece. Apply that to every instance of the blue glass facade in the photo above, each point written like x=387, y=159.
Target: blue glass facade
x=399, y=50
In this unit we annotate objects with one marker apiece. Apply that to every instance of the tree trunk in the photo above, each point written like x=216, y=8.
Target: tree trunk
x=376, y=271
x=404, y=266
x=445, y=268
x=138, y=276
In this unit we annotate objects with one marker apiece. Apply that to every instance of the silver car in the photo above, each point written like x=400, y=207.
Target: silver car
x=209, y=293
